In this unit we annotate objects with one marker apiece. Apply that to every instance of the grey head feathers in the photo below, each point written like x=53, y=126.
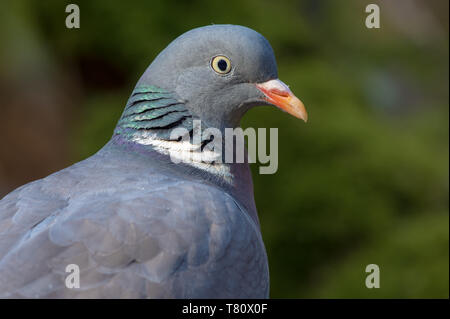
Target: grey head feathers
x=219, y=100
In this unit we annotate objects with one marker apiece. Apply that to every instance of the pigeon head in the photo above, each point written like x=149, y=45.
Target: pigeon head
x=219, y=72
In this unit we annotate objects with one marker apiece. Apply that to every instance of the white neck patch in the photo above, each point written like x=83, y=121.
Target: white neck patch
x=188, y=153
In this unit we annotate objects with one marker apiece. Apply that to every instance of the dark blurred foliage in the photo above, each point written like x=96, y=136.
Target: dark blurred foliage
x=365, y=181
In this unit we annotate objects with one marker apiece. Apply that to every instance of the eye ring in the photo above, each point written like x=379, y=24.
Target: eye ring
x=221, y=64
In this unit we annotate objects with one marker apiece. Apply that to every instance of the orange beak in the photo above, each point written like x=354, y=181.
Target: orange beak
x=279, y=94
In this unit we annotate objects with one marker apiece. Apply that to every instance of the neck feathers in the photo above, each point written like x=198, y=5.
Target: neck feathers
x=149, y=119
x=153, y=110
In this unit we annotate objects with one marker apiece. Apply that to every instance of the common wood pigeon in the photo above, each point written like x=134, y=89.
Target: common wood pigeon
x=134, y=222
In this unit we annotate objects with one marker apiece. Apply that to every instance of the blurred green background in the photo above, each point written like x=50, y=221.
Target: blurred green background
x=365, y=181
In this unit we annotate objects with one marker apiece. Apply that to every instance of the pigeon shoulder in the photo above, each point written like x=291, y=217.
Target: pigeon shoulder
x=132, y=234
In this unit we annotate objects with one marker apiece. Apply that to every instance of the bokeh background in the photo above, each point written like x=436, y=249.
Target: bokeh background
x=365, y=181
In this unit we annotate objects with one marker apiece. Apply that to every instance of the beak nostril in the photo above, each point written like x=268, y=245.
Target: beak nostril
x=279, y=92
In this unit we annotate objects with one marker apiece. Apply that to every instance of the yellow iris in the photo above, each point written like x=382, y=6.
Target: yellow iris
x=221, y=64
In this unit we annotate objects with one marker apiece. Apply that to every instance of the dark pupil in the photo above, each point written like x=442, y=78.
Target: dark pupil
x=222, y=64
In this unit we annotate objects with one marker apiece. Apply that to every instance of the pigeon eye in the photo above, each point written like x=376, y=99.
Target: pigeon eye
x=221, y=64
